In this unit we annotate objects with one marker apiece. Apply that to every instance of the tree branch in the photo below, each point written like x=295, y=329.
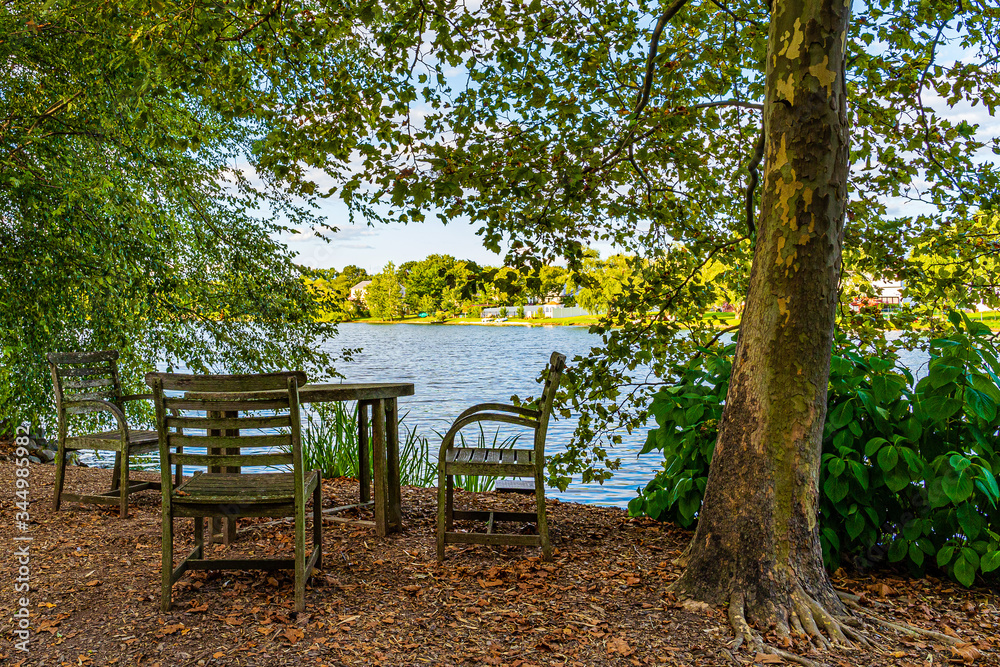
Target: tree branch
x=654, y=45
x=729, y=103
x=253, y=26
x=752, y=185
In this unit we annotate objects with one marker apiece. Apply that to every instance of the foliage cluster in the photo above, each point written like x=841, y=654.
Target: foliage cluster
x=909, y=467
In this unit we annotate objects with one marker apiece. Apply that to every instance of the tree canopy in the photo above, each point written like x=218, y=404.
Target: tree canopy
x=149, y=155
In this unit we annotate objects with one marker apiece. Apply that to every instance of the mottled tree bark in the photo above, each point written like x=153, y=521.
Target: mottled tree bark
x=757, y=543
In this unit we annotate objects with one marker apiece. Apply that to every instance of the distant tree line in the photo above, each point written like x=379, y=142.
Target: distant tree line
x=444, y=287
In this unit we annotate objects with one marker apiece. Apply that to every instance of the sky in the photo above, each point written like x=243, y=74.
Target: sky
x=371, y=247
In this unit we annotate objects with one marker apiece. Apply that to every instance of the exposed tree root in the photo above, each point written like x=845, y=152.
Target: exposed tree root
x=910, y=630
x=737, y=619
x=805, y=617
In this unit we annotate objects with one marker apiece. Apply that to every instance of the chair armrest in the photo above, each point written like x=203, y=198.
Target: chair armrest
x=476, y=416
x=99, y=405
x=500, y=407
x=136, y=397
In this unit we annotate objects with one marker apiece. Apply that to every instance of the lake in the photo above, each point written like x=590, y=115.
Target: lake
x=453, y=367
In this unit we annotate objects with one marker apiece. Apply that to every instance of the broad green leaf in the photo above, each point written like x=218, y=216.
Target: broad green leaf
x=887, y=458
x=916, y=554
x=990, y=561
x=855, y=524
x=836, y=488
x=897, y=550
x=969, y=519
x=958, y=486
x=966, y=565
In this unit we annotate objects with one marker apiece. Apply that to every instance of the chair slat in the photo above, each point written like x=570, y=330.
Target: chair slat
x=84, y=372
x=207, y=423
x=226, y=383
x=104, y=395
x=224, y=405
x=280, y=440
x=231, y=459
x=86, y=384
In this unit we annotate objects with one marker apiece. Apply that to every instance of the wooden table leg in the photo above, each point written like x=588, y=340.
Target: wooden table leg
x=379, y=467
x=394, y=514
x=364, y=474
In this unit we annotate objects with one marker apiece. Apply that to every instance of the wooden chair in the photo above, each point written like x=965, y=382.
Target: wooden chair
x=219, y=422
x=87, y=382
x=453, y=460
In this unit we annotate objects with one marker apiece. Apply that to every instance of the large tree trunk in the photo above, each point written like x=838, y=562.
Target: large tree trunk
x=757, y=543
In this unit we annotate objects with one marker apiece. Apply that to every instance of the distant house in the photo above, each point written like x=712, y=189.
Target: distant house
x=889, y=296
x=358, y=291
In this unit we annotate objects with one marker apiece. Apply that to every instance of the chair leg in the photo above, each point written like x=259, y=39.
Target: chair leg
x=115, y=476
x=199, y=536
x=543, y=524
x=167, y=545
x=60, y=468
x=123, y=483
x=300, y=555
x=318, y=522
x=442, y=510
x=450, y=503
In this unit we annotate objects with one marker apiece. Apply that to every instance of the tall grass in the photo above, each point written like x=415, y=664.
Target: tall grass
x=330, y=439
x=330, y=445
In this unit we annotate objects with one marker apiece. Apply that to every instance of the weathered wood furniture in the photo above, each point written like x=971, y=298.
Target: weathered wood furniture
x=454, y=460
x=378, y=419
x=184, y=422
x=87, y=382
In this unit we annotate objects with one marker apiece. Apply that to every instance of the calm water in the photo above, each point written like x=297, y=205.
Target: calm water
x=454, y=367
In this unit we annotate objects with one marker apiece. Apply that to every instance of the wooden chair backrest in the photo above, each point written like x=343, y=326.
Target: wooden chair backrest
x=202, y=422
x=557, y=363
x=80, y=376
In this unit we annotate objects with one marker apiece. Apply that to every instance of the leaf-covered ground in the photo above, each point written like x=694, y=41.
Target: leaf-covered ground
x=95, y=582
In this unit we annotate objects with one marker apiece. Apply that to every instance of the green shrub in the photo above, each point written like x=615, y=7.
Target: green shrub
x=908, y=469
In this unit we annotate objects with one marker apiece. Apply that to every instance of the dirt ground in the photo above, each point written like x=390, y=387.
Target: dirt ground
x=95, y=586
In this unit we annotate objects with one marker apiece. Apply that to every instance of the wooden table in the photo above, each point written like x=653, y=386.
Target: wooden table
x=377, y=399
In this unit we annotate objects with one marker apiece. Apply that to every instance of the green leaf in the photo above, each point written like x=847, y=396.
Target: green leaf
x=966, y=566
x=855, y=524
x=969, y=519
x=897, y=550
x=959, y=462
x=944, y=555
x=990, y=561
x=836, y=466
x=957, y=487
x=873, y=445
x=836, y=488
x=916, y=554
x=981, y=404
x=887, y=458
x=841, y=415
